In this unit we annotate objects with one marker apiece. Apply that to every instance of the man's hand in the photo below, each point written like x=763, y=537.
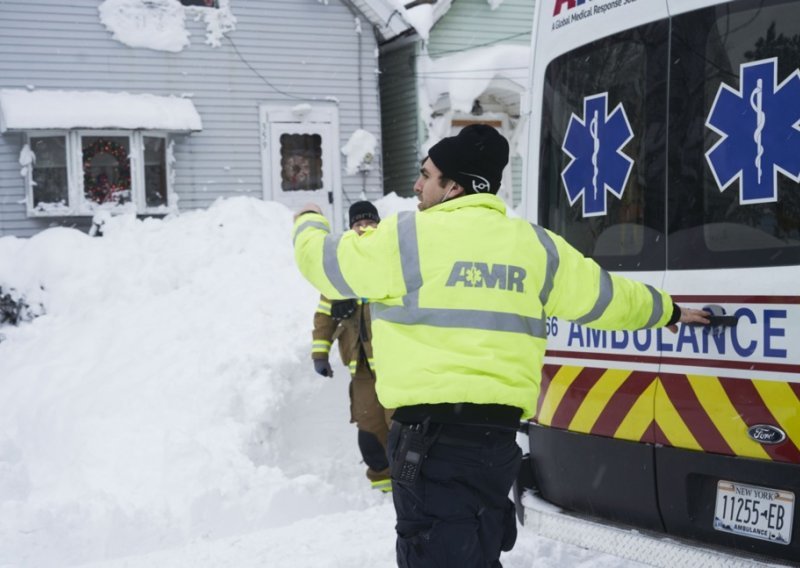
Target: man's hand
x=323, y=367
x=308, y=208
x=690, y=315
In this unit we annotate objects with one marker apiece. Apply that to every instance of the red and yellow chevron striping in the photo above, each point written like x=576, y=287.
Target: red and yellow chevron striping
x=696, y=412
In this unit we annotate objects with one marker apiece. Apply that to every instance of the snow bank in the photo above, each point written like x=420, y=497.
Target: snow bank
x=148, y=405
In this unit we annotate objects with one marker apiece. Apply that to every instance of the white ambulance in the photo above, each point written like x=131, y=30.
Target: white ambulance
x=665, y=144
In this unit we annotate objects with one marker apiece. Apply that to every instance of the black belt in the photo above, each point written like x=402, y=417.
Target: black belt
x=473, y=437
x=481, y=415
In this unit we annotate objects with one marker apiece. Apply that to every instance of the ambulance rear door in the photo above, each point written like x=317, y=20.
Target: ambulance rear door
x=727, y=408
x=598, y=158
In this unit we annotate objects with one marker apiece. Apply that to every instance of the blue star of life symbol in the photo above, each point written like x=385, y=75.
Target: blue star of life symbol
x=594, y=145
x=760, y=129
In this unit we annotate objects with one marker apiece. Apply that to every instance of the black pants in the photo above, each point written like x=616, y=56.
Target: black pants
x=457, y=513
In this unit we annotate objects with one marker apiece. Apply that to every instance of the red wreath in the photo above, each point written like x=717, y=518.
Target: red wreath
x=100, y=189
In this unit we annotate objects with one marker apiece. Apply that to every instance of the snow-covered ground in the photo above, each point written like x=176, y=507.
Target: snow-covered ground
x=163, y=409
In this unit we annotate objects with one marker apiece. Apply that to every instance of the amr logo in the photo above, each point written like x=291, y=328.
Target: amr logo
x=759, y=125
x=480, y=275
x=597, y=164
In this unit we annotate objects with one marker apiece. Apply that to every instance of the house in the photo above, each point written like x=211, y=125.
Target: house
x=157, y=106
x=467, y=62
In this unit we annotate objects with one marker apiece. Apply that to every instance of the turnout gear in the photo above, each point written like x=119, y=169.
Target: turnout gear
x=348, y=322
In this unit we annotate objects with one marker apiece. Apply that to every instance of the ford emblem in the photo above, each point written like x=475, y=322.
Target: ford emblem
x=766, y=434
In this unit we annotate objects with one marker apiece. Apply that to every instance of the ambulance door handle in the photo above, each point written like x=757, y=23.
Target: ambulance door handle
x=723, y=321
x=718, y=323
x=719, y=318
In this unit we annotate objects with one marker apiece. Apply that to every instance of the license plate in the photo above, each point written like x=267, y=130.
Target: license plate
x=755, y=512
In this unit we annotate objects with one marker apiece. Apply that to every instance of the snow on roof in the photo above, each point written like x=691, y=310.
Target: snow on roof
x=392, y=18
x=467, y=74
x=22, y=109
x=161, y=24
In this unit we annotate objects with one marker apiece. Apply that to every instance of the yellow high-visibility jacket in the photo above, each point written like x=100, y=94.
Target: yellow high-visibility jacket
x=460, y=293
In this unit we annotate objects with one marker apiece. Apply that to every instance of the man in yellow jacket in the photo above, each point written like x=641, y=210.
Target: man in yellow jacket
x=460, y=294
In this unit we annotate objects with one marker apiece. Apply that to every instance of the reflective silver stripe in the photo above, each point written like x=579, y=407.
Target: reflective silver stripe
x=306, y=225
x=469, y=319
x=553, y=261
x=410, y=313
x=658, y=307
x=603, y=299
x=409, y=256
x=333, y=271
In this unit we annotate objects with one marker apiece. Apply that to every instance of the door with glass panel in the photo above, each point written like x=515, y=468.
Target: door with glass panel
x=301, y=161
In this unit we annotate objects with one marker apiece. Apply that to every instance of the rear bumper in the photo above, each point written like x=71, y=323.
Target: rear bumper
x=655, y=488
x=649, y=548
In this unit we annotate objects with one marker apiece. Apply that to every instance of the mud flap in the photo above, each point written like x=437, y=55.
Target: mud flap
x=524, y=481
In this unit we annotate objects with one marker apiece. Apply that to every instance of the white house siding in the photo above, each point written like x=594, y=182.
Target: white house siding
x=305, y=48
x=517, y=171
x=400, y=118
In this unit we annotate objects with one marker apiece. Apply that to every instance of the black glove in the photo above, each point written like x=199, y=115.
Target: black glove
x=343, y=309
x=323, y=367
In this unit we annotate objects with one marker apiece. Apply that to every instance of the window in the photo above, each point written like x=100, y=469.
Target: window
x=754, y=220
x=80, y=172
x=603, y=157
x=106, y=169
x=301, y=162
x=49, y=172
x=155, y=171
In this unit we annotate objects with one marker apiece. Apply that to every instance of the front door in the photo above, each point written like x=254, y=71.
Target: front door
x=300, y=158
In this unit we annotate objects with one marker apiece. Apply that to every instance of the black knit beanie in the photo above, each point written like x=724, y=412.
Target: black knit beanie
x=474, y=158
x=363, y=210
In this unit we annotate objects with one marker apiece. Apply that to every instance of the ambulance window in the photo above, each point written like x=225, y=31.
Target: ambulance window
x=603, y=148
x=733, y=101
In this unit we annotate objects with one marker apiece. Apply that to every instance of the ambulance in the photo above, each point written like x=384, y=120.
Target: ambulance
x=664, y=142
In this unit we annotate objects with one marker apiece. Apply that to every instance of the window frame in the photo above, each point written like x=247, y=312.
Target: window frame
x=32, y=211
x=138, y=175
x=78, y=205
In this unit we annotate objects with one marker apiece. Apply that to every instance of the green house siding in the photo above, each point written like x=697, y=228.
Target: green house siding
x=399, y=123
x=468, y=24
x=472, y=23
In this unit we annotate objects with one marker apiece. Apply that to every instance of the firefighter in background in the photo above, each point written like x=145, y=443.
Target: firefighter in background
x=348, y=322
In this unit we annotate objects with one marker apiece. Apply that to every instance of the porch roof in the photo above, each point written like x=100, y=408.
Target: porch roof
x=22, y=109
